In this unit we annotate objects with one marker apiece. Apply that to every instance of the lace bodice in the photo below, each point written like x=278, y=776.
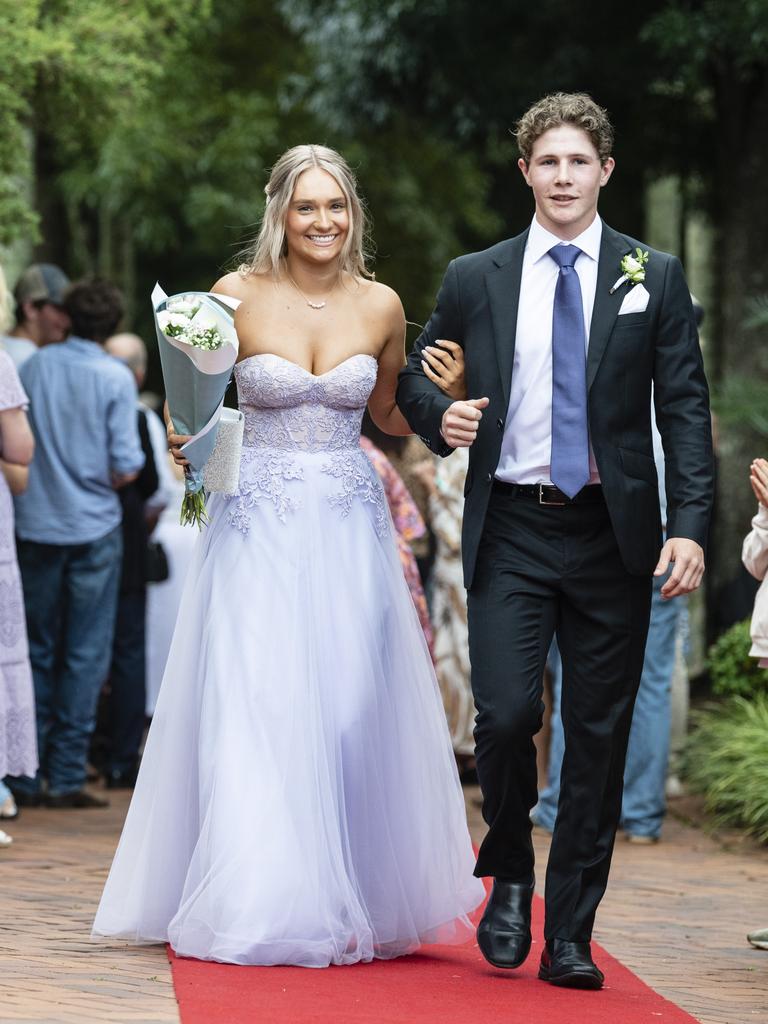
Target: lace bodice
x=291, y=413
x=288, y=408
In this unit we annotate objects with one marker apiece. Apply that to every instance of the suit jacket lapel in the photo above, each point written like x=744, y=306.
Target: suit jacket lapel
x=503, y=285
x=613, y=247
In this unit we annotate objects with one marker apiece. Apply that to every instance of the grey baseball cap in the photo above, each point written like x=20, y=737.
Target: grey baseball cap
x=42, y=282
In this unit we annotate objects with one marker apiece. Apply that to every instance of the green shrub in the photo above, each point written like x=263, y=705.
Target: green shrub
x=731, y=670
x=726, y=759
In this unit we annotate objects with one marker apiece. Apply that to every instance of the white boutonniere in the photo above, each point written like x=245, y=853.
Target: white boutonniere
x=632, y=269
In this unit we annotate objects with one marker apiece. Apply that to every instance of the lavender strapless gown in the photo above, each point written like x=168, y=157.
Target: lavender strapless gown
x=298, y=801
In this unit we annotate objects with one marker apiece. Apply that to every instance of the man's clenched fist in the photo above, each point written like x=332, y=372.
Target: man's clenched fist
x=461, y=420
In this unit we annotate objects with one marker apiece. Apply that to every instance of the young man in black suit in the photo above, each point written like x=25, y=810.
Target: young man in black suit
x=565, y=329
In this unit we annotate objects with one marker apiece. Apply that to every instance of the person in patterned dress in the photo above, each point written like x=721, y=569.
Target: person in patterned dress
x=18, y=742
x=409, y=526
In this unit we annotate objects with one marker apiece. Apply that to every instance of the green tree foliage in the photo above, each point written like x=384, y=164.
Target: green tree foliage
x=731, y=669
x=71, y=71
x=725, y=760
x=153, y=124
x=712, y=57
x=20, y=52
x=466, y=71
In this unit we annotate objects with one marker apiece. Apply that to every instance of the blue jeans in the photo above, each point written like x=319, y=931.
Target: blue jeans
x=644, y=802
x=70, y=596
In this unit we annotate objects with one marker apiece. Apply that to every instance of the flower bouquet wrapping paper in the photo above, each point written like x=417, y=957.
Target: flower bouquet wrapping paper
x=198, y=347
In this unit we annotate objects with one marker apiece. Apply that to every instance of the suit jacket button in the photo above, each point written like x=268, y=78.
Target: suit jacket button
x=489, y=478
x=500, y=423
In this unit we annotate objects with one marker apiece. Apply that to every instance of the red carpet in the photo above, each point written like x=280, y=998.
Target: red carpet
x=442, y=985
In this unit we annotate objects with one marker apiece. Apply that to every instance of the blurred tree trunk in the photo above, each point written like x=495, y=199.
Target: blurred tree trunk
x=740, y=217
x=54, y=244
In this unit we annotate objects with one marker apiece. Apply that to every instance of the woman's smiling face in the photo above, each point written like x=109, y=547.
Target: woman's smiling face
x=317, y=222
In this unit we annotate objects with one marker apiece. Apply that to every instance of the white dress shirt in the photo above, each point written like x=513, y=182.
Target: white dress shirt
x=527, y=444
x=166, y=484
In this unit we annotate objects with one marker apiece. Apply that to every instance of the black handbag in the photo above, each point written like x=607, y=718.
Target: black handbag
x=156, y=569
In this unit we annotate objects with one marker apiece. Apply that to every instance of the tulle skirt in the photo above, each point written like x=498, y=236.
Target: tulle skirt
x=298, y=801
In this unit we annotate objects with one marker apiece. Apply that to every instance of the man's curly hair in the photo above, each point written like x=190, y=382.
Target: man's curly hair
x=558, y=108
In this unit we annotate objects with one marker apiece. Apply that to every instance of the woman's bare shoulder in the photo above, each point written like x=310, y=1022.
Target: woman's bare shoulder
x=380, y=293
x=381, y=299
x=239, y=285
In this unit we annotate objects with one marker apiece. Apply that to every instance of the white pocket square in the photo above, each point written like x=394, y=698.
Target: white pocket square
x=635, y=301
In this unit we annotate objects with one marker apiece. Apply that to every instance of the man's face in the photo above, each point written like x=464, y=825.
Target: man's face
x=51, y=323
x=566, y=176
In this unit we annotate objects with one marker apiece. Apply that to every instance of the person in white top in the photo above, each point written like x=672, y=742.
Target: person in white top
x=565, y=328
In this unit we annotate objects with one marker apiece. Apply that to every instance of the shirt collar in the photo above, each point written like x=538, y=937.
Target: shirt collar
x=540, y=241
x=84, y=343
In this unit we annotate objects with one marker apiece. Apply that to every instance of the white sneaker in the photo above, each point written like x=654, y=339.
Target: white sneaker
x=641, y=840
x=674, y=788
x=759, y=939
x=5, y=839
x=8, y=808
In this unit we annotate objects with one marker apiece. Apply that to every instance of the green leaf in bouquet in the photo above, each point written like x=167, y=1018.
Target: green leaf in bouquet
x=193, y=510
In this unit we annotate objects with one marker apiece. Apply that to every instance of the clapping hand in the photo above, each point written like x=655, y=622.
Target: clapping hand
x=758, y=478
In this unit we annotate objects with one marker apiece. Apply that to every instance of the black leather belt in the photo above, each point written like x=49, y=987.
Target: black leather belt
x=547, y=494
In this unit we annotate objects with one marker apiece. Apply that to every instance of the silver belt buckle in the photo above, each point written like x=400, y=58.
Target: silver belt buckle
x=557, y=504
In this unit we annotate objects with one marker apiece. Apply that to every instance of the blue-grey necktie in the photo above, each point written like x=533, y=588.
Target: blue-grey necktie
x=569, y=461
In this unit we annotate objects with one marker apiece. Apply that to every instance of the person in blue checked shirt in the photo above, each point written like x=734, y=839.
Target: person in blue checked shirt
x=68, y=524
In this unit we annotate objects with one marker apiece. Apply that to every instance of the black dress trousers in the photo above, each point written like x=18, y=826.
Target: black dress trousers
x=543, y=570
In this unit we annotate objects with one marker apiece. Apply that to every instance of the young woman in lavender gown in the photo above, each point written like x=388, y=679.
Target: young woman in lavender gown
x=298, y=801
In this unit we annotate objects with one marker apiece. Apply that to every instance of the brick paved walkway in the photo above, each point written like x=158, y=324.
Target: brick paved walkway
x=675, y=913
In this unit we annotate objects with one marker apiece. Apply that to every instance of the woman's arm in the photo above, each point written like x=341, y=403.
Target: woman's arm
x=381, y=405
x=18, y=443
x=16, y=476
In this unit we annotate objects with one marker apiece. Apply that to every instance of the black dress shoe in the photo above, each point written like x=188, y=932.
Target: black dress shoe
x=504, y=932
x=24, y=799
x=570, y=965
x=120, y=780
x=79, y=799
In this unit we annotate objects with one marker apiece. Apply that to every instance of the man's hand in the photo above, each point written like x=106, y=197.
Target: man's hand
x=461, y=420
x=688, y=557
x=758, y=478
x=122, y=479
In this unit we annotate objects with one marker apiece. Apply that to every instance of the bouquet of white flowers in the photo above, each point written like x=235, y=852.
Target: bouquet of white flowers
x=186, y=319
x=198, y=348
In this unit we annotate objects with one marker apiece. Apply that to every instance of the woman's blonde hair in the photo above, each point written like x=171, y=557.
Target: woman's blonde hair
x=5, y=303
x=266, y=253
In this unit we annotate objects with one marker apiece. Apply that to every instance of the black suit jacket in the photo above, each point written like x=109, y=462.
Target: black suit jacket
x=477, y=307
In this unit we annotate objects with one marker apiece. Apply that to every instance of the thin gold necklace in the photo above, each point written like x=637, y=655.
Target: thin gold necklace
x=312, y=305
